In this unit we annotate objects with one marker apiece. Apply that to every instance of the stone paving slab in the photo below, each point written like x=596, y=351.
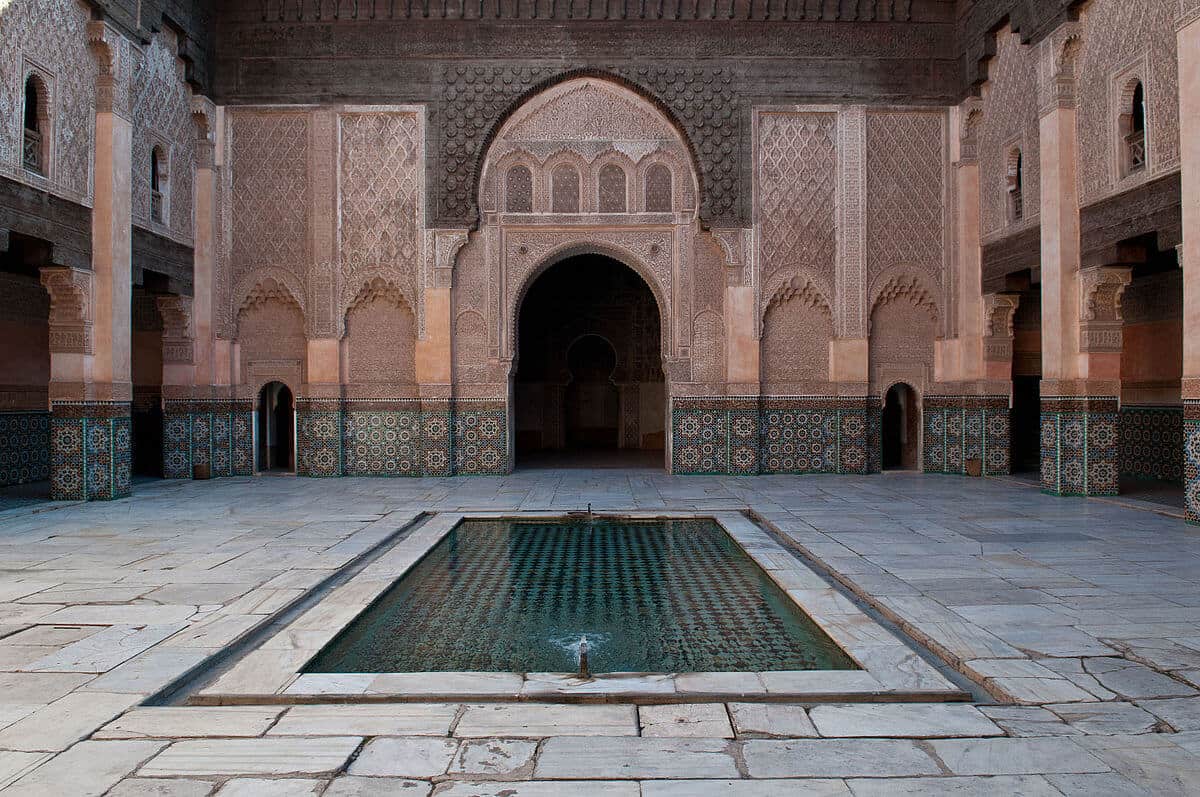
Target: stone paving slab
x=410, y=757
x=394, y=719
x=567, y=758
x=539, y=720
x=920, y=721
x=837, y=758
x=253, y=756
x=180, y=723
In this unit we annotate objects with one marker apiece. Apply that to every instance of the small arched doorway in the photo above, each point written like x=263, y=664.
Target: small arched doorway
x=588, y=384
x=901, y=428
x=276, y=428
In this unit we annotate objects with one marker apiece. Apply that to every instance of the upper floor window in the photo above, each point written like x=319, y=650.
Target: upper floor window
x=1014, y=179
x=658, y=189
x=612, y=189
x=564, y=190
x=157, y=181
x=518, y=190
x=35, y=142
x=1133, y=131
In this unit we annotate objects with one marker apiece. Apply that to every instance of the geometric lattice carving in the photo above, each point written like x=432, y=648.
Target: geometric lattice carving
x=1012, y=122
x=380, y=167
x=797, y=173
x=270, y=191
x=905, y=183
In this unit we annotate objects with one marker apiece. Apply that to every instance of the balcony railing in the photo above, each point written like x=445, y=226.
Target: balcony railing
x=1135, y=144
x=31, y=152
x=156, y=206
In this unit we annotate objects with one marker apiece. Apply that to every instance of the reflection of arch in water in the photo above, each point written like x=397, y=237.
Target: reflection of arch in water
x=276, y=428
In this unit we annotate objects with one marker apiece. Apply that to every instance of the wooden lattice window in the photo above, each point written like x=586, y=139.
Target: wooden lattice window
x=518, y=190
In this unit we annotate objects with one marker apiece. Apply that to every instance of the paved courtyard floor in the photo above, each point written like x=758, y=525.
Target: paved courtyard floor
x=1079, y=620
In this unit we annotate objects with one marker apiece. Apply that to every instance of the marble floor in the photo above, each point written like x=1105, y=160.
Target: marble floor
x=1078, y=620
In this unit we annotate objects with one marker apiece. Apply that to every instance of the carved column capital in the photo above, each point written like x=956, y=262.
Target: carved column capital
x=113, y=57
x=971, y=112
x=70, y=292
x=1100, y=291
x=1056, y=63
x=178, y=337
x=998, y=312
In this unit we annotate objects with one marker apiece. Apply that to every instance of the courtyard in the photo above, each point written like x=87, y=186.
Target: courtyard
x=1071, y=624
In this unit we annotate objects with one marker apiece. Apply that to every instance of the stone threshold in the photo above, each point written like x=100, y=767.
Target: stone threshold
x=891, y=671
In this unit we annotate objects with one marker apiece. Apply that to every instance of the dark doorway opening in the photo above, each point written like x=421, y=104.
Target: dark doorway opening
x=901, y=428
x=276, y=428
x=588, y=388
x=1025, y=420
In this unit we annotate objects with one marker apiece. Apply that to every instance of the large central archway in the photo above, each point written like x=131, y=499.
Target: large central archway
x=589, y=389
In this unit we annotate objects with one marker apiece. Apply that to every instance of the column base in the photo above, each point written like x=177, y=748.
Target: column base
x=90, y=450
x=958, y=429
x=1079, y=445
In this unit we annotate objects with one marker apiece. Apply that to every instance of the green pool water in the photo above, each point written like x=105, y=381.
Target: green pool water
x=656, y=596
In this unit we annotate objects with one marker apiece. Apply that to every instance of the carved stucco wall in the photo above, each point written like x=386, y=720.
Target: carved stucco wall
x=162, y=116
x=325, y=202
x=795, y=197
x=1122, y=40
x=904, y=325
x=1010, y=121
x=906, y=211
x=49, y=37
x=797, y=328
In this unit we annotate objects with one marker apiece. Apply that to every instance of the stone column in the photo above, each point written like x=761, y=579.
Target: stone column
x=1080, y=393
x=90, y=384
x=1189, y=251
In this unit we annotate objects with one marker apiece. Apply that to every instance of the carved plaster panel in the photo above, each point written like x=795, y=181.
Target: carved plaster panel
x=1100, y=290
x=49, y=36
x=178, y=337
x=1010, y=120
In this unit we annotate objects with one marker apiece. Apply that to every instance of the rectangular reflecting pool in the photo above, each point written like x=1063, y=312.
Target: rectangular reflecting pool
x=668, y=596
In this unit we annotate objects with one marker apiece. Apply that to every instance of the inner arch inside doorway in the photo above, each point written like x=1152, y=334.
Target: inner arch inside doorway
x=589, y=389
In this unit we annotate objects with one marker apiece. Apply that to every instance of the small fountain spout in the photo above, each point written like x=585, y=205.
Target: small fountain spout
x=584, y=671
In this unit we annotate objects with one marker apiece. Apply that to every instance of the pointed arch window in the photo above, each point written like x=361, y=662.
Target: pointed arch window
x=564, y=190
x=658, y=189
x=1014, y=183
x=1133, y=129
x=36, y=139
x=518, y=190
x=612, y=189
x=158, y=174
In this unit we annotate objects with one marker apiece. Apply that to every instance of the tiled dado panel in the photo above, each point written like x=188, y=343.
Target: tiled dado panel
x=961, y=428
x=1079, y=445
x=1151, y=444
x=772, y=435
x=215, y=433
x=402, y=438
x=24, y=447
x=1191, y=459
x=90, y=452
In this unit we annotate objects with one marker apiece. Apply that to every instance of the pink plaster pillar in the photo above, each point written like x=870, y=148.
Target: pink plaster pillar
x=741, y=340
x=1189, y=251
